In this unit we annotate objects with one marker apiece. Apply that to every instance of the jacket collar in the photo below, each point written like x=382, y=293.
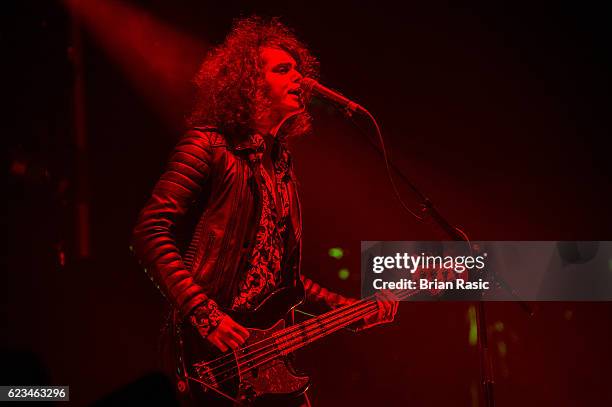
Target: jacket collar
x=253, y=144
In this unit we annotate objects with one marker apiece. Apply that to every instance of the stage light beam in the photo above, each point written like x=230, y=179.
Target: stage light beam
x=158, y=59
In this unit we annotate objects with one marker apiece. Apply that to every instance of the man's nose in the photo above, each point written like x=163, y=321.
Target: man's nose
x=297, y=77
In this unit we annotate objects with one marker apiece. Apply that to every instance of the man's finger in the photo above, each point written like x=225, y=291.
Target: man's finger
x=388, y=309
x=393, y=303
x=232, y=343
x=389, y=295
x=235, y=336
x=220, y=345
x=240, y=330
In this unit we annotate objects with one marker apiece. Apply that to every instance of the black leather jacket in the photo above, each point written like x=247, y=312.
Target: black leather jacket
x=206, y=171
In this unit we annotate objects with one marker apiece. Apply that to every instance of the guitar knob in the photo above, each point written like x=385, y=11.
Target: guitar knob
x=181, y=385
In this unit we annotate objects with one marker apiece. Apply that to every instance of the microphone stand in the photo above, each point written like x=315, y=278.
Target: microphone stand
x=429, y=210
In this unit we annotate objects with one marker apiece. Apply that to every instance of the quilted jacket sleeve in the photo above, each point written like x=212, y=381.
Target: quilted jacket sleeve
x=153, y=239
x=320, y=295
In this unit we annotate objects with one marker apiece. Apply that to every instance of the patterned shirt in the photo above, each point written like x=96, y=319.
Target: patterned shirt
x=263, y=272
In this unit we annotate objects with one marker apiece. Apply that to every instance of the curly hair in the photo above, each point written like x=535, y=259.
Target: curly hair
x=231, y=93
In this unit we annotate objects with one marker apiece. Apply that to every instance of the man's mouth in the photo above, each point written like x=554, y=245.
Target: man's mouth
x=297, y=92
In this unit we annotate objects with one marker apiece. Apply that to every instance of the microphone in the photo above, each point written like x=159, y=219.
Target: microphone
x=310, y=86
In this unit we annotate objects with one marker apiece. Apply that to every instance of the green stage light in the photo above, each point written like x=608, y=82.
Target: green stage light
x=473, y=333
x=336, y=253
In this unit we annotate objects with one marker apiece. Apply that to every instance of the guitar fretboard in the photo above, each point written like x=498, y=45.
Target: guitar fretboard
x=300, y=335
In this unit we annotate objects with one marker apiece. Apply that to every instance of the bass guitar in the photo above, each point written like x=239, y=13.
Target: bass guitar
x=259, y=372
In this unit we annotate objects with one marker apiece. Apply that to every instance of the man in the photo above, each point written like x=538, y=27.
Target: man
x=234, y=170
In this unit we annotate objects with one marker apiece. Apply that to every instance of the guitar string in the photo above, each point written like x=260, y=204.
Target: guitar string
x=360, y=312
x=272, y=346
x=230, y=359
x=347, y=320
x=299, y=329
x=291, y=329
x=291, y=338
x=292, y=332
x=321, y=333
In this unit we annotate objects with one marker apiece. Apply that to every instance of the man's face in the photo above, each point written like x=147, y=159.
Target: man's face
x=283, y=81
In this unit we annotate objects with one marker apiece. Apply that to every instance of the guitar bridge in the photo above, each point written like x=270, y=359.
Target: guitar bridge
x=205, y=374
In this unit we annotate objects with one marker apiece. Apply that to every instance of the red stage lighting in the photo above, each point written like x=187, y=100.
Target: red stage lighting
x=158, y=59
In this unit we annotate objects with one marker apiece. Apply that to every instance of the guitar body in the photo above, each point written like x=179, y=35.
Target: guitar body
x=255, y=374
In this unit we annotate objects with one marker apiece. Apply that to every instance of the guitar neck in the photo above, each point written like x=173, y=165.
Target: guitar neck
x=298, y=336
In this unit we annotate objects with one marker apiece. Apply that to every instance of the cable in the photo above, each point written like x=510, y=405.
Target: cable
x=388, y=165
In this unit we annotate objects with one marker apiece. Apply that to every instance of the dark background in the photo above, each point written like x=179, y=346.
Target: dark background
x=499, y=113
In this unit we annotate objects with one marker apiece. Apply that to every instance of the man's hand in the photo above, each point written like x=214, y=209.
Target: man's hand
x=387, y=308
x=228, y=334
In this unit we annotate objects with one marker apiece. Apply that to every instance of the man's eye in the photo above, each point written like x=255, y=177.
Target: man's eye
x=283, y=69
